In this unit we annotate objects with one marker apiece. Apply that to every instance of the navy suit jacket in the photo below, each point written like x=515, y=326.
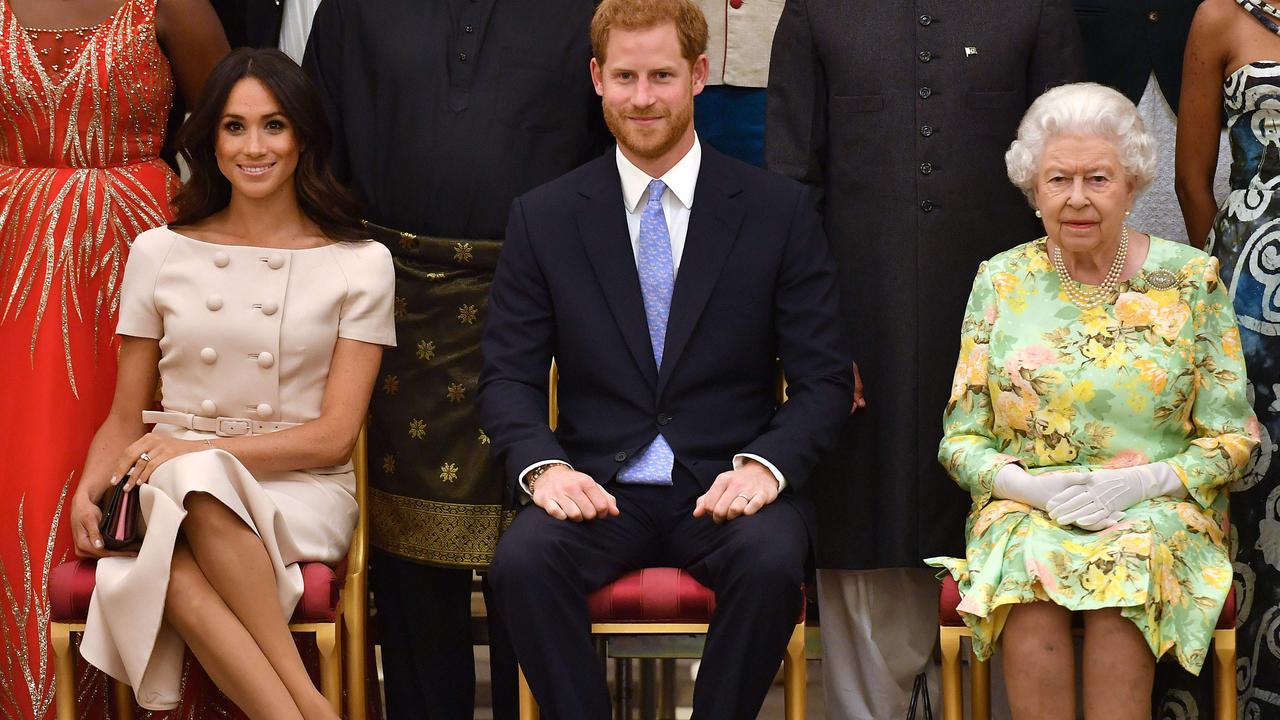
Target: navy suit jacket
x=756, y=284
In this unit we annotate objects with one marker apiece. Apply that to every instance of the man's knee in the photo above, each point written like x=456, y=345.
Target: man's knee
x=528, y=554
x=769, y=561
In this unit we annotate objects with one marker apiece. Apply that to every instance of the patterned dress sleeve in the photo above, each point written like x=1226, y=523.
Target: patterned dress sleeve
x=1220, y=417
x=139, y=316
x=969, y=449
x=367, y=314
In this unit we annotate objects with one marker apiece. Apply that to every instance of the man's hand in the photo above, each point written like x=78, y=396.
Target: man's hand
x=570, y=495
x=858, y=401
x=738, y=492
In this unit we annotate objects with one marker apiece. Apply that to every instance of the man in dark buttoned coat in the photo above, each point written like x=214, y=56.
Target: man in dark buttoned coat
x=899, y=113
x=667, y=281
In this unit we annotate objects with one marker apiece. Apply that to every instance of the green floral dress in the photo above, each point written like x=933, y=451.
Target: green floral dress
x=1156, y=376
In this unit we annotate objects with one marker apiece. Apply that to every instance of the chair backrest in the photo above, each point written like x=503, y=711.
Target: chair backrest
x=358, y=553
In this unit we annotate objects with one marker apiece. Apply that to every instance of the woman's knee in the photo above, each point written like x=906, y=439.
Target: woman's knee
x=206, y=513
x=189, y=592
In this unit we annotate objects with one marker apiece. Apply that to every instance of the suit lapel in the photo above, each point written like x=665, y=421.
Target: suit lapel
x=713, y=228
x=602, y=226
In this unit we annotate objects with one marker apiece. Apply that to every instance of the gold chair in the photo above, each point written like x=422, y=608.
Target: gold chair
x=795, y=673
x=340, y=641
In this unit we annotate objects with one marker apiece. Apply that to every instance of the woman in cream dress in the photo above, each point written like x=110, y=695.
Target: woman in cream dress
x=245, y=308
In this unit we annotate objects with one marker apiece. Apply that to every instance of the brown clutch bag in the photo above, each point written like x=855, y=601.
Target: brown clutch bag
x=119, y=525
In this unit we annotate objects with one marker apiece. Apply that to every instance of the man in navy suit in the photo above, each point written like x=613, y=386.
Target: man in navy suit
x=667, y=281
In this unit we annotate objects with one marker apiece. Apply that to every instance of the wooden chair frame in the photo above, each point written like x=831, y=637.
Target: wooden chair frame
x=1224, y=676
x=341, y=642
x=794, y=671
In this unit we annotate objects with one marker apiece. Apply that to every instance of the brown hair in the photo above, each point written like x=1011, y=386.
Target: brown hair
x=691, y=26
x=320, y=196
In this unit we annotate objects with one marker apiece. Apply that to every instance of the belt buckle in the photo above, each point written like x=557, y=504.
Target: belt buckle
x=233, y=427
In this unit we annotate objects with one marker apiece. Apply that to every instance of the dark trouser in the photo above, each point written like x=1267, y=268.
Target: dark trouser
x=424, y=624
x=545, y=568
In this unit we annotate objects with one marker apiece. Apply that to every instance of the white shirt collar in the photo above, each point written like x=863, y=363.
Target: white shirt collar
x=680, y=179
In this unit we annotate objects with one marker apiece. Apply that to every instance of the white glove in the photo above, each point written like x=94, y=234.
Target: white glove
x=1107, y=493
x=1013, y=482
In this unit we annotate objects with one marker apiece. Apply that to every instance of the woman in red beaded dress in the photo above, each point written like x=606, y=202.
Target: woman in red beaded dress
x=85, y=91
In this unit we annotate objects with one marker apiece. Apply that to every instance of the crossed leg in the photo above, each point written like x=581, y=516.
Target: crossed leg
x=222, y=601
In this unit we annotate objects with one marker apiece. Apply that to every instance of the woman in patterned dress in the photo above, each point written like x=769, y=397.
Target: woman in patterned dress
x=1233, y=71
x=85, y=89
x=1098, y=410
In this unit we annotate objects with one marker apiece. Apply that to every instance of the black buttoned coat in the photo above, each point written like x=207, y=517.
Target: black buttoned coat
x=900, y=113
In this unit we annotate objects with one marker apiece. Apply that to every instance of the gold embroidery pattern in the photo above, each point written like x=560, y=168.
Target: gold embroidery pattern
x=391, y=384
x=402, y=308
x=482, y=438
x=426, y=349
x=26, y=608
x=467, y=314
x=79, y=174
x=456, y=393
x=417, y=428
x=408, y=240
x=389, y=464
x=462, y=251
x=448, y=472
x=440, y=533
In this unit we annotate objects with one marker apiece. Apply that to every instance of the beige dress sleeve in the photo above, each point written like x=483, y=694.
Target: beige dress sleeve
x=139, y=316
x=367, y=313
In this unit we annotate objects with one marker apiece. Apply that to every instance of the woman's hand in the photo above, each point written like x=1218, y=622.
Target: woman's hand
x=85, y=518
x=149, y=452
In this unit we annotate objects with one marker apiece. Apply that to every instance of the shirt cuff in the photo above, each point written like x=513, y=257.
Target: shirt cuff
x=525, y=472
x=741, y=458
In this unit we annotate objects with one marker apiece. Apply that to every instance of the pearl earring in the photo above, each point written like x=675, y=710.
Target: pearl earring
x=1126, y=213
x=1038, y=213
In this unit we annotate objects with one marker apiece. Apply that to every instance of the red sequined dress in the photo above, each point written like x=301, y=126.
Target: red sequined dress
x=82, y=120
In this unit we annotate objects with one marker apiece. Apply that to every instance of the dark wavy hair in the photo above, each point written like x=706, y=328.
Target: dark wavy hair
x=320, y=196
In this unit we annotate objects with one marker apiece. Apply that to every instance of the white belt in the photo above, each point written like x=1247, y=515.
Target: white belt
x=220, y=426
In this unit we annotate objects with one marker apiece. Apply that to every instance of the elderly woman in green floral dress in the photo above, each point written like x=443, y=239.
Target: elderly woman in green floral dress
x=1097, y=414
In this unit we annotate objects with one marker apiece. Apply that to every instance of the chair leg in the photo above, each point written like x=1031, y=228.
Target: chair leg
x=979, y=687
x=122, y=700
x=64, y=671
x=952, y=694
x=528, y=705
x=330, y=664
x=795, y=676
x=1224, y=674
x=355, y=653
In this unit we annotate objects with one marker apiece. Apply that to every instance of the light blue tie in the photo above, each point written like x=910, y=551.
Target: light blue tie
x=652, y=466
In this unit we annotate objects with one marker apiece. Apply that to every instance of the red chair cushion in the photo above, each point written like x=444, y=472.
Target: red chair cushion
x=71, y=585
x=949, y=598
x=656, y=595
x=653, y=595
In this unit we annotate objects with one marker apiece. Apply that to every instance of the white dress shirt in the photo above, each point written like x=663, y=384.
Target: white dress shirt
x=677, y=202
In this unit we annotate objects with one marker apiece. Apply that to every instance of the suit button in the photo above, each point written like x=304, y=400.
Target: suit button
x=266, y=360
x=221, y=259
x=663, y=418
x=270, y=307
x=209, y=356
x=462, y=57
x=213, y=302
x=925, y=56
x=209, y=408
x=925, y=92
x=469, y=29
x=1153, y=16
x=926, y=20
x=926, y=130
x=927, y=206
x=620, y=457
x=926, y=168
x=264, y=410
x=275, y=261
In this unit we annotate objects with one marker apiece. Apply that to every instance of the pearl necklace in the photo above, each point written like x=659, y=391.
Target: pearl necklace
x=1101, y=293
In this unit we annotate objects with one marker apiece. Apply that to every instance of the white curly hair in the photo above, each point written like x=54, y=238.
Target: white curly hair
x=1085, y=109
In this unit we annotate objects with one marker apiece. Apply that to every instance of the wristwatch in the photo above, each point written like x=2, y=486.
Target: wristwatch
x=537, y=472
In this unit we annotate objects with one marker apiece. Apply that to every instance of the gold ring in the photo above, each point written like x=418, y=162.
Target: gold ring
x=744, y=497
x=144, y=457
